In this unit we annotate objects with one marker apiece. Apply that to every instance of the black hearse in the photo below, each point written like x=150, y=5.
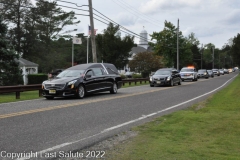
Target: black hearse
x=83, y=79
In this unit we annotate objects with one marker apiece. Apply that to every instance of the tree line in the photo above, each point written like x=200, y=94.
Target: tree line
x=33, y=32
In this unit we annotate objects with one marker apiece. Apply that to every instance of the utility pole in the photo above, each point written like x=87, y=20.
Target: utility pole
x=92, y=32
x=201, y=55
x=213, y=55
x=177, y=46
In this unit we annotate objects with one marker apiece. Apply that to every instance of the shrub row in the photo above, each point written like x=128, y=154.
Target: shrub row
x=37, y=78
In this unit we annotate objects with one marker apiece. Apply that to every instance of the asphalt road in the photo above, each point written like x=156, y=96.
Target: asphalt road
x=45, y=127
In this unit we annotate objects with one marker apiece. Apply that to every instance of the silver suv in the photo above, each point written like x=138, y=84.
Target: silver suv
x=189, y=73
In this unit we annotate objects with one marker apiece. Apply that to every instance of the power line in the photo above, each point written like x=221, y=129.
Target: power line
x=109, y=20
x=71, y=3
x=120, y=25
x=123, y=30
x=36, y=8
x=135, y=12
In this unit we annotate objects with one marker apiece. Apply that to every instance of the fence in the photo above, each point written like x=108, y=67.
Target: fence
x=23, y=88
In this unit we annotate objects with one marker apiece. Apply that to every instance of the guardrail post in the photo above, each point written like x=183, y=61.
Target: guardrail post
x=17, y=95
x=40, y=93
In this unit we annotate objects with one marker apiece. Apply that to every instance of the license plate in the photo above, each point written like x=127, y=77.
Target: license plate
x=52, y=91
x=158, y=82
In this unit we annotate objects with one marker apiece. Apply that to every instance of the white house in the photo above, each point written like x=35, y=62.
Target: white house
x=142, y=46
x=27, y=67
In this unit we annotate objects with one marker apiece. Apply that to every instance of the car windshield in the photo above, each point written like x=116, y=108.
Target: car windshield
x=209, y=71
x=201, y=71
x=162, y=72
x=186, y=70
x=70, y=73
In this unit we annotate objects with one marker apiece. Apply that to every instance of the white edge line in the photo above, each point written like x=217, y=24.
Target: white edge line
x=126, y=123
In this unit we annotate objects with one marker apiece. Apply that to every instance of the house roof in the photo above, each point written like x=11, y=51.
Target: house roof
x=26, y=63
x=139, y=49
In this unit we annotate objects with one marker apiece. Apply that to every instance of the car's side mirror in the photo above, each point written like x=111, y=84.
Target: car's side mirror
x=88, y=76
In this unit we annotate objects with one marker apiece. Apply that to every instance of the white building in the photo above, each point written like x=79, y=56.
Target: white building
x=142, y=46
x=27, y=67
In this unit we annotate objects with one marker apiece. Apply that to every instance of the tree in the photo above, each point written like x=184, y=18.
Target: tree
x=52, y=20
x=195, y=50
x=145, y=62
x=15, y=12
x=111, y=48
x=166, y=42
x=9, y=69
x=236, y=50
x=208, y=55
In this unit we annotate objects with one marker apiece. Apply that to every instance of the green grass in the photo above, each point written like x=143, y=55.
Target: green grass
x=11, y=97
x=209, y=130
x=28, y=95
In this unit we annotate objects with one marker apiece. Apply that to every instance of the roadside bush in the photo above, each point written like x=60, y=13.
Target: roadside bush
x=123, y=76
x=37, y=78
x=136, y=76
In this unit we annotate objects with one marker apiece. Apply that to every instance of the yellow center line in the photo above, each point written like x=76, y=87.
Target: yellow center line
x=74, y=104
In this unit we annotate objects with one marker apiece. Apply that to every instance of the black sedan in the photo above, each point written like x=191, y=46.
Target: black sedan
x=202, y=73
x=165, y=76
x=83, y=79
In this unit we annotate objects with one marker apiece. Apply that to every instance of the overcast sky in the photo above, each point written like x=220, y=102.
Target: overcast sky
x=212, y=21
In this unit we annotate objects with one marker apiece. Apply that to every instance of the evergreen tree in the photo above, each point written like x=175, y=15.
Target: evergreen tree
x=9, y=69
x=111, y=48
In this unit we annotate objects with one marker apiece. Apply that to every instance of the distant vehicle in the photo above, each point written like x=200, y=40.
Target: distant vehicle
x=83, y=79
x=211, y=74
x=221, y=71
x=202, y=73
x=189, y=73
x=216, y=72
x=226, y=71
x=165, y=76
x=129, y=74
x=230, y=70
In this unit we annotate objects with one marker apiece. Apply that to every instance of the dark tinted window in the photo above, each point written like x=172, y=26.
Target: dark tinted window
x=90, y=73
x=163, y=72
x=97, y=71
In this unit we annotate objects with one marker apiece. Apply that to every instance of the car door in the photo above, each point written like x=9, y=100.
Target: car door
x=89, y=81
x=100, y=79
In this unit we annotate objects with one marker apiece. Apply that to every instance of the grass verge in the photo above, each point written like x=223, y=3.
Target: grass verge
x=28, y=95
x=133, y=84
x=207, y=130
x=11, y=97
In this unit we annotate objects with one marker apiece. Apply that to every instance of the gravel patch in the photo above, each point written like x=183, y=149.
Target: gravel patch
x=108, y=146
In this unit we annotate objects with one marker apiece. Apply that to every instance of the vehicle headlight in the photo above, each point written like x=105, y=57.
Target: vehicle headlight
x=168, y=78
x=150, y=78
x=43, y=84
x=205, y=73
x=71, y=83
